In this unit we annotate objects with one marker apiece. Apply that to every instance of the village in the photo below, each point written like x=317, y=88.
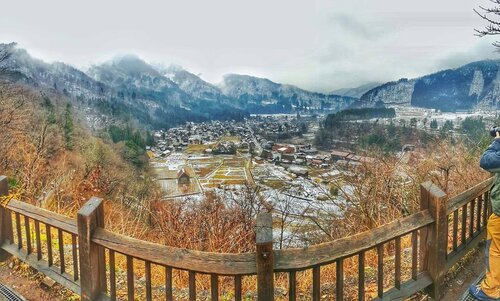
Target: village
x=190, y=159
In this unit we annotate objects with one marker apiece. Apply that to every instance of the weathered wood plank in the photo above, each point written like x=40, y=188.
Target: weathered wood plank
x=339, y=289
x=168, y=284
x=479, y=213
x=60, y=242
x=112, y=275
x=45, y=216
x=27, y=233
x=49, y=244
x=316, y=287
x=264, y=256
x=465, y=197
x=192, y=286
x=414, y=254
x=471, y=221
x=214, y=287
x=74, y=254
x=237, y=288
x=463, y=236
x=147, y=271
x=455, y=230
x=361, y=276
x=130, y=278
x=18, y=231
x=184, y=259
x=38, y=241
x=380, y=271
x=485, y=211
x=397, y=263
x=325, y=253
x=91, y=277
x=435, y=245
x=292, y=286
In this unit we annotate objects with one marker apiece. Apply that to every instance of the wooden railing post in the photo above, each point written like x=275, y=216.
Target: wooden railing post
x=92, y=264
x=434, y=238
x=265, y=257
x=5, y=219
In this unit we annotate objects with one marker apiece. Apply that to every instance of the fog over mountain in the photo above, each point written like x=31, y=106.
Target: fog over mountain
x=317, y=45
x=163, y=96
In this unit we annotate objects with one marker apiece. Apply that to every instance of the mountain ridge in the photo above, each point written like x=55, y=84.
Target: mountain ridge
x=474, y=85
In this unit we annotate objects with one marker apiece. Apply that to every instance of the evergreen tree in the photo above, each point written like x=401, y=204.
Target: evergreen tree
x=434, y=124
x=68, y=126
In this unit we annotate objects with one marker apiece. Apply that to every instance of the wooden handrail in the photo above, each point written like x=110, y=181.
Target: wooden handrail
x=45, y=216
x=329, y=252
x=428, y=229
x=184, y=259
x=463, y=198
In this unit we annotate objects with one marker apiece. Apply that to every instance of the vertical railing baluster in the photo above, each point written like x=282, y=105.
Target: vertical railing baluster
x=75, y=256
x=28, y=234
x=414, y=254
x=455, y=230
x=361, y=276
x=479, y=213
x=214, y=287
x=464, y=224
x=38, y=241
x=60, y=239
x=380, y=271
x=147, y=271
x=192, y=286
x=316, y=289
x=168, y=284
x=112, y=275
x=339, y=293
x=19, y=233
x=237, y=288
x=292, y=286
x=130, y=278
x=471, y=220
x=49, y=245
x=397, y=263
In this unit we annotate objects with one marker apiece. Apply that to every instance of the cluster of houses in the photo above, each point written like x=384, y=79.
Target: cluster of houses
x=179, y=138
x=276, y=128
x=296, y=157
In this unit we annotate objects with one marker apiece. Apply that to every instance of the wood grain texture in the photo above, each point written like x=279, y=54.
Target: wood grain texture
x=465, y=197
x=45, y=216
x=321, y=254
x=184, y=259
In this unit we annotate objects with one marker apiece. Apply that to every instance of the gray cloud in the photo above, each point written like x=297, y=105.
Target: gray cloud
x=320, y=45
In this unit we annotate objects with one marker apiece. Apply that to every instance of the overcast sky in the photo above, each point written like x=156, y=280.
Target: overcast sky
x=319, y=45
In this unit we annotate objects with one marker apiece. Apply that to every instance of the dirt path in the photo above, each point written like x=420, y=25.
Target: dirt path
x=464, y=274
x=28, y=283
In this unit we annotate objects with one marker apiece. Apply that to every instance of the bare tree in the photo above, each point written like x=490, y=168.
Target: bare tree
x=492, y=16
x=4, y=55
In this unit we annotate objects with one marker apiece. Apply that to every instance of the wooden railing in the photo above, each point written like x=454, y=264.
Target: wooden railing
x=433, y=240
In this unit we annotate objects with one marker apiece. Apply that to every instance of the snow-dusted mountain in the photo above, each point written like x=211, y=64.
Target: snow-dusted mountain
x=23, y=68
x=192, y=84
x=475, y=85
x=356, y=92
x=127, y=87
x=262, y=95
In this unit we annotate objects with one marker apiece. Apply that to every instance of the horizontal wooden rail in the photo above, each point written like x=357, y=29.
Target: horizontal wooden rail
x=184, y=259
x=45, y=216
x=428, y=230
x=465, y=197
x=325, y=253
